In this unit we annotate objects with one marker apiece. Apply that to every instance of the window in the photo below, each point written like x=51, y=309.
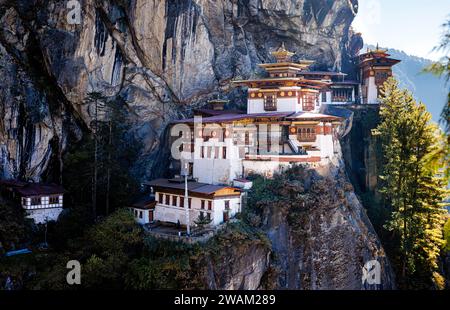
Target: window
x=227, y=205
x=140, y=214
x=342, y=95
x=161, y=197
x=224, y=134
x=224, y=152
x=202, y=152
x=270, y=102
x=35, y=201
x=209, y=205
x=324, y=97
x=381, y=77
x=54, y=200
x=309, y=100
x=203, y=205
x=189, y=202
x=167, y=199
x=174, y=201
x=182, y=202
x=216, y=152
x=306, y=134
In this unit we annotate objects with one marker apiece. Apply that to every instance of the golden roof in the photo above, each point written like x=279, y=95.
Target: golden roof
x=282, y=54
x=377, y=50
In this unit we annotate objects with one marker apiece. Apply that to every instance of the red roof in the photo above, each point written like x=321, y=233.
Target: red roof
x=193, y=187
x=313, y=116
x=330, y=73
x=236, y=117
x=32, y=189
x=212, y=112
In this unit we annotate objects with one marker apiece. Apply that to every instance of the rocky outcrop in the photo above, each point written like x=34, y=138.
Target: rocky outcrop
x=240, y=266
x=362, y=160
x=162, y=56
x=328, y=242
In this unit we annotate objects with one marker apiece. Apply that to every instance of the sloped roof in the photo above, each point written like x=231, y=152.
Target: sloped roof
x=145, y=202
x=236, y=117
x=34, y=189
x=313, y=116
x=193, y=187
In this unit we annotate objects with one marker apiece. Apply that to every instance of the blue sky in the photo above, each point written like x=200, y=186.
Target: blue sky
x=413, y=26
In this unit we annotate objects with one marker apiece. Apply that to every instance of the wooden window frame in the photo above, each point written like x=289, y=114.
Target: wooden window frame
x=167, y=200
x=270, y=102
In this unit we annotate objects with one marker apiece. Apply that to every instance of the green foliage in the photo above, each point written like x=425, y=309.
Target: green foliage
x=284, y=190
x=109, y=248
x=167, y=265
x=176, y=265
x=202, y=221
x=412, y=184
x=102, y=160
x=14, y=229
x=447, y=236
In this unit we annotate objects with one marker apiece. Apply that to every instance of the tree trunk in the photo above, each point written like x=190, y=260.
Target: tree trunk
x=108, y=172
x=94, y=183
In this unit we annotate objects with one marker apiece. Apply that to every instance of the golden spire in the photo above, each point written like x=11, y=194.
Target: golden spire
x=380, y=50
x=282, y=54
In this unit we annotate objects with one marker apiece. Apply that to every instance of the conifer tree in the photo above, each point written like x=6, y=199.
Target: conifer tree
x=412, y=183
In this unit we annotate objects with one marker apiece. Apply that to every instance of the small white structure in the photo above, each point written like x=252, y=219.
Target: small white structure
x=143, y=210
x=375, y=68
x=214, y=202
x=243, y=183
x=42, y=202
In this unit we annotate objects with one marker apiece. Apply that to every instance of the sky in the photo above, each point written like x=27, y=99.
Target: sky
x=413, y=26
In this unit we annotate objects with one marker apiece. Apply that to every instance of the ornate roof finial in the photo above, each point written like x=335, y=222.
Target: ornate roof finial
x=380, y=50
x=282, y=54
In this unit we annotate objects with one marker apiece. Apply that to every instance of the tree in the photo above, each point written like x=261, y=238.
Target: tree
x=98, y=101
x=202, y=221
x=442, y=69
x=98, y=169
x=412, y=183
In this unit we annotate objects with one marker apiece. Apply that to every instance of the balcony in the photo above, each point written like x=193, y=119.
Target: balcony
x=306, y=137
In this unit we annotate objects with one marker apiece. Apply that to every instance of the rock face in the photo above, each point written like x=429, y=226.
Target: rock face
x=240, y=266
x=162, y=56
x=321, y=235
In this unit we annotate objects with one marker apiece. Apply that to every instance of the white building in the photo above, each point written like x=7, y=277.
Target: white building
x=143, y=210
x=284, y=124
x=375, y=67
x=41, y=202
x=215, y=203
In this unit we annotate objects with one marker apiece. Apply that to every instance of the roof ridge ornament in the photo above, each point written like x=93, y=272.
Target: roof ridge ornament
x=282, y=54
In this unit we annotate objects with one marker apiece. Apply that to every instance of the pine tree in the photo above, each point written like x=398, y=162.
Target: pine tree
x=441, y=68
x=412, y=183
x=97, y=170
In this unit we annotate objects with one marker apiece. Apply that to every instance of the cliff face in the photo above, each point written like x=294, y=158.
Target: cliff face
x=162, y=56
x=325, y=242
